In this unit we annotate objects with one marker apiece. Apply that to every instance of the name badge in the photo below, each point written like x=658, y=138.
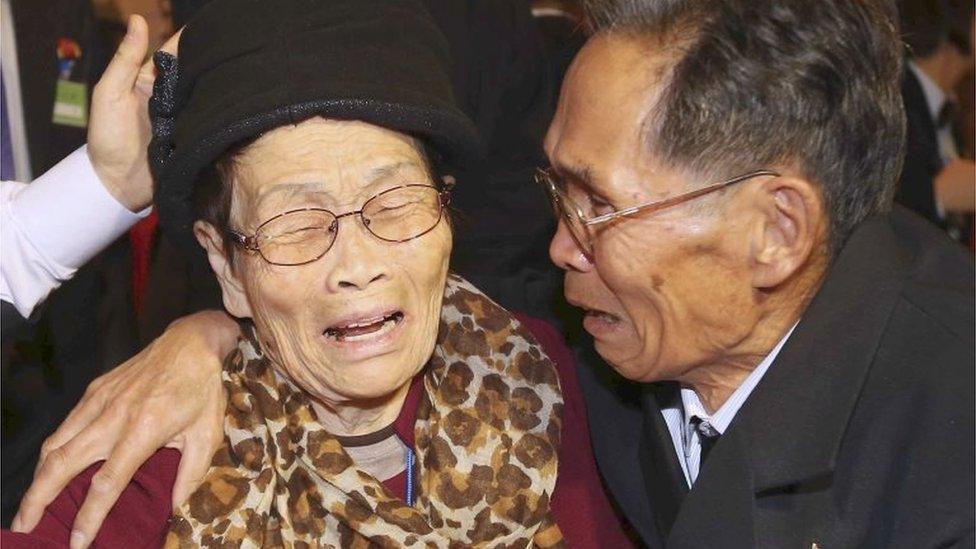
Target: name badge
x=71, y=104
x=70, y=97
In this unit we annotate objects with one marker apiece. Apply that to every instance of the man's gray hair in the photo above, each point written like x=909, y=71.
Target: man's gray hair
x=811, y=85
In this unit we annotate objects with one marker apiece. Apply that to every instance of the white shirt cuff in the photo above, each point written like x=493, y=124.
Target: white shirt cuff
x=54, y=225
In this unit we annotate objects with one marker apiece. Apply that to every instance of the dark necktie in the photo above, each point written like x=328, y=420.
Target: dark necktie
x=949, y=119
x=947, y=115
x=707, y=437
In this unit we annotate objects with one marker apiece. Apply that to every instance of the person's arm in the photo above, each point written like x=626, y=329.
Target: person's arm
x=53, y=225
x=170, y=394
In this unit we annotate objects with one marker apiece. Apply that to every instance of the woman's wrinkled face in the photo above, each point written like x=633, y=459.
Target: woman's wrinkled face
x=361, y=321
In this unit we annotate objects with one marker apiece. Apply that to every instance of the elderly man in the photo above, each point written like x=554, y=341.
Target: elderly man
x=723, y=172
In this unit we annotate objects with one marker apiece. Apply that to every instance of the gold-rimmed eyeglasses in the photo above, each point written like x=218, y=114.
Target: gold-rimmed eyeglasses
x=303, y=235
x=580, y=222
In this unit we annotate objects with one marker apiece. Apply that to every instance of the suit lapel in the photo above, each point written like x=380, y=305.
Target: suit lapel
x=663, y=477
x=718, y=511
x=927, y=134
x=616, y=420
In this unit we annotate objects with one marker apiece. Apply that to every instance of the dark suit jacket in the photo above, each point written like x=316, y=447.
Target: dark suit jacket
x=922, y=160
x=859, y=435
x=38, y=25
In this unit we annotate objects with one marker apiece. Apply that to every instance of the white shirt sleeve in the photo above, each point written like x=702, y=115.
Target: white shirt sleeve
x=52, y=226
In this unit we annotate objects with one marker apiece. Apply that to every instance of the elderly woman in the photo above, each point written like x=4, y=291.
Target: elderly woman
x=373, y=398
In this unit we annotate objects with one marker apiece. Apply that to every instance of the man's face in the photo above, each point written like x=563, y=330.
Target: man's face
x=667, y=291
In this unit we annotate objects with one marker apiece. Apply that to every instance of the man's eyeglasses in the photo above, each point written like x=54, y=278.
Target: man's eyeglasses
x=301, y=236
x=580, y=222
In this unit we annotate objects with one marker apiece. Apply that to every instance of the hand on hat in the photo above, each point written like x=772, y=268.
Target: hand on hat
x=119, y=131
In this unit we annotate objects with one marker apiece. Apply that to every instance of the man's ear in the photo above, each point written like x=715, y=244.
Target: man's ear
x=791, y=227
x=235, y=299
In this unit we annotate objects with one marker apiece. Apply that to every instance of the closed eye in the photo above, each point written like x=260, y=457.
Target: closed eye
x=296, y=234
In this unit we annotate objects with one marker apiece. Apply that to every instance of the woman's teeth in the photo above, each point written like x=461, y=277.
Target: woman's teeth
x=365, y=329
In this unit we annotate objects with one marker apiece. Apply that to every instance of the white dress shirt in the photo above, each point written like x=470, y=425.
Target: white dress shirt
x=52, y=226
x=685, y=436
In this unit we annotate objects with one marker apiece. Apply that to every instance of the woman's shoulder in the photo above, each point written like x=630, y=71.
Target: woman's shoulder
x=579, y=503
x=141, y=513
x=549, y=338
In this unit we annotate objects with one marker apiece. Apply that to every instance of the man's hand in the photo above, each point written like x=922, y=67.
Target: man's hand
x=169, y=394
x=119, y=132
x=955, y=186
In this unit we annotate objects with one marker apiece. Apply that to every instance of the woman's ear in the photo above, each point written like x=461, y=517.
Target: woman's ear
x=791, y=228
x=235, y=299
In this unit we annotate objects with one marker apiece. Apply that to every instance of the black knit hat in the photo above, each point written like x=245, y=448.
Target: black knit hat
x=246, y=67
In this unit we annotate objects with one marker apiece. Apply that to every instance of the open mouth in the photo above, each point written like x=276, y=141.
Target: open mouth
x=364, y=328
x=600, y=323
x=600, y=315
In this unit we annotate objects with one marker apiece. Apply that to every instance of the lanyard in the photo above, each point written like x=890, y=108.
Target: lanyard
x=410, y=459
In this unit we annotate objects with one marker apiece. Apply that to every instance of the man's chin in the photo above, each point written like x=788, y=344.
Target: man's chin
x=632, y=368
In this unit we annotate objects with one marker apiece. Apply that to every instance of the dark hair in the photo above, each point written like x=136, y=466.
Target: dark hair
x=214, y=191
x=927, y=24
x=813, y=85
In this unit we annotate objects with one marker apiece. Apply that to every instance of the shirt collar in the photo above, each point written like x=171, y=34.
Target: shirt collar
x=935, y=98
x=722, y=417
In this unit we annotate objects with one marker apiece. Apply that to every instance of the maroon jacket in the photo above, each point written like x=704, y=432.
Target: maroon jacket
x=141, y=515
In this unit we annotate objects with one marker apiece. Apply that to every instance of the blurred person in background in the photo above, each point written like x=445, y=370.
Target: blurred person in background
x=562, y=30
x=938, y=181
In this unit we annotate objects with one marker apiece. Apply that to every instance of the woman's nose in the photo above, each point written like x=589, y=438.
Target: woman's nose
x=359, y=259
x=565, y=253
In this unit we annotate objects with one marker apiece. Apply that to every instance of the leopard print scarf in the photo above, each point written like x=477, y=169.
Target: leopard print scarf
x=487, y=433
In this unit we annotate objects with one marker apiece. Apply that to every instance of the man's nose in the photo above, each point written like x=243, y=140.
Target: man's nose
x=566, y=253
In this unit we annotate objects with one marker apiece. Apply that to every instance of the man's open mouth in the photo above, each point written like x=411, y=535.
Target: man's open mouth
x=364, y=328
x=601, y=315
